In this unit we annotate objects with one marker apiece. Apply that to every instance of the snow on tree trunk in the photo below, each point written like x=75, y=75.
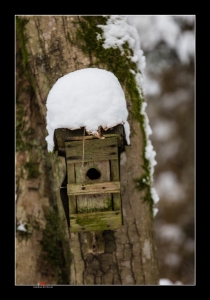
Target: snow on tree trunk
x=49, y=47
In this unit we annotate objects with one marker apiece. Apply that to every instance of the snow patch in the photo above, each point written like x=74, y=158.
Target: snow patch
x=155, y=211
x=21, y=226
x=154, y=195
x=166, y=281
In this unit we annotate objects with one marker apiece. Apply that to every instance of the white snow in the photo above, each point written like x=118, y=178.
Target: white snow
x=147, y=127
x=155, y=196
x=150, y=154
x=155, y=211
x=21, y=226
x=88, y=97
x=166, y=281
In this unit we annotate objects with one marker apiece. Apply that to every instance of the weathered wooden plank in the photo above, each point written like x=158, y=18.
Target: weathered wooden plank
x=115, y=177
x=90, y=137
x=72, y=204
x=95, y=221
x=114, y=166
x=116, y=201
x=96, y=188
x=71, y=177
x=71, y=180
x=92, y=203
x=94, y=150
x=78, y=158
x=97, y=202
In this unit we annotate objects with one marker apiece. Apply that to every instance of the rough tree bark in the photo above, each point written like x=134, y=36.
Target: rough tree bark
x=45, y=52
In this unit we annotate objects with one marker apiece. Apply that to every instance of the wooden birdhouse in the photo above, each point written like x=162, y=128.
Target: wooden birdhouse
x=91, y=190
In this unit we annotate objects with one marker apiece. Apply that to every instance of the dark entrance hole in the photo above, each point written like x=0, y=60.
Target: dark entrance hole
x=93, y=174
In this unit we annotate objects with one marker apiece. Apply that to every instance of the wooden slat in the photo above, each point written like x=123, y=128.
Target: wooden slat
x=90, y=137
x=72, y=204
x=95, y=221
x=61, y=135
x=71, y=180
x=114, y=165
x=95, y=150
x=96, y=188
x=115, y=177
x=93, y=203
x=71, y=173
x=116, y=201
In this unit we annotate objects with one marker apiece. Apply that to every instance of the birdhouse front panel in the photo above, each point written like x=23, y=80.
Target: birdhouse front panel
x=93, y=183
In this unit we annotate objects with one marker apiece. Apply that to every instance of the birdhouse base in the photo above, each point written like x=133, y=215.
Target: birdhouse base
x=95, y=221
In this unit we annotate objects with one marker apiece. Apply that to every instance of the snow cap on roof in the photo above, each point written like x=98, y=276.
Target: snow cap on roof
x=89, y=98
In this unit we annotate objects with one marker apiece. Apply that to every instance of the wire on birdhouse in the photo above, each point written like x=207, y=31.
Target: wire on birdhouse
x=83, y=157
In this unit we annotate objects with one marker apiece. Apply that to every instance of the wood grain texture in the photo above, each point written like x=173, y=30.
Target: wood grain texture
x=95, y=150
x=96, y=188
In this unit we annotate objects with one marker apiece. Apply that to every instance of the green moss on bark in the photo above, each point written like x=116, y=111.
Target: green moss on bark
x=32, y=169
x=53, y=246
x=24, y=83
x=22, y=39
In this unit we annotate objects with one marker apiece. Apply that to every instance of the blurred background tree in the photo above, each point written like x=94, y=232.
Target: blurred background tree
x=168, y=43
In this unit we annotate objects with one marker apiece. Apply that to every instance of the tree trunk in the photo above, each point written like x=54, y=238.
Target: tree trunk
x=47, y=48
